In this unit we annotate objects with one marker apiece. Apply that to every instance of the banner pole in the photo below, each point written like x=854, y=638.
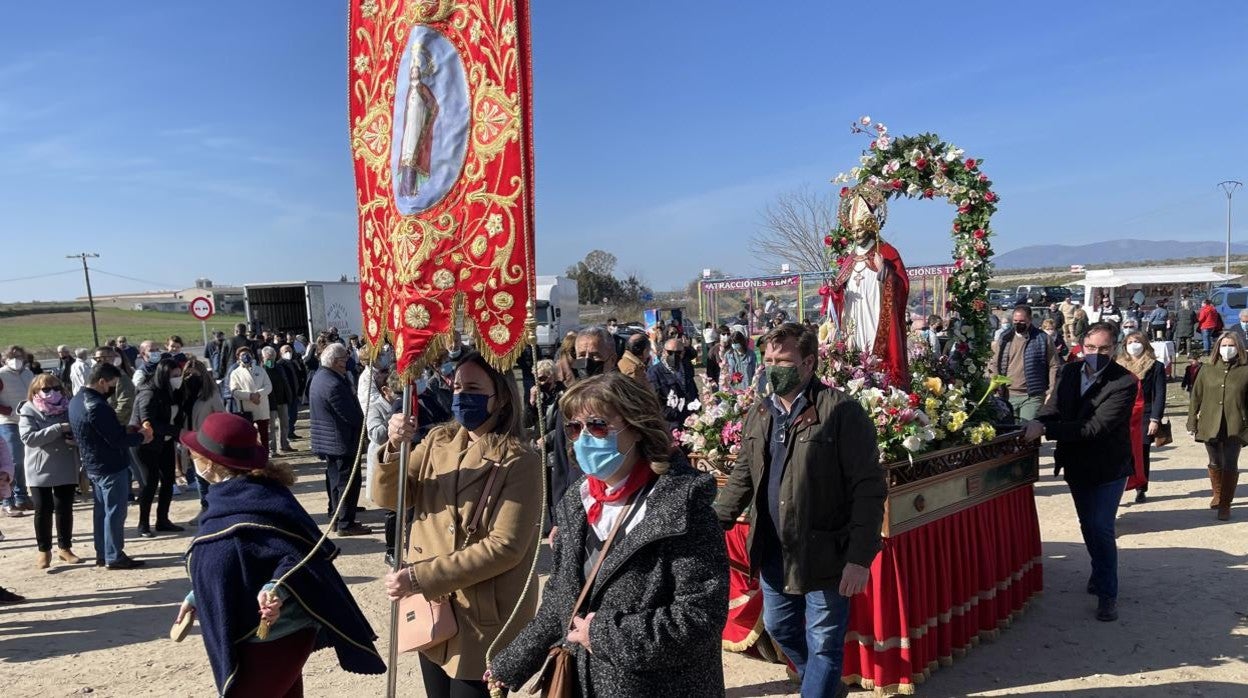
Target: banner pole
x=400, y=547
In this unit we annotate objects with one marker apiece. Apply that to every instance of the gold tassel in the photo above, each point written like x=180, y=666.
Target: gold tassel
x=262, y=632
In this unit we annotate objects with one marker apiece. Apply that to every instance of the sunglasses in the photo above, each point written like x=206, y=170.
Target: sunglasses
x=51, y=389
x=597, y=427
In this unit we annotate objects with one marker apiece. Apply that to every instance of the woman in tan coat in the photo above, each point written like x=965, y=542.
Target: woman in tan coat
x=1217, y=416
x=485, y=574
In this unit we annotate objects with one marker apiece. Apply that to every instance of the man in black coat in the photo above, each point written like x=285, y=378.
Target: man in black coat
x=1089, y=416
x=337, y=421
x=673, y=388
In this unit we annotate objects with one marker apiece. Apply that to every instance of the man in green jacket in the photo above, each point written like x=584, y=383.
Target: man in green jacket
x=809, y=471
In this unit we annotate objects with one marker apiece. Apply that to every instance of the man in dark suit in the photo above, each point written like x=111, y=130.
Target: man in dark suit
x=1089, y=416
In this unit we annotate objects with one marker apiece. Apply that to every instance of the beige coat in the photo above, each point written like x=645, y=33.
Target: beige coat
x=633, y=367
x=487, y=577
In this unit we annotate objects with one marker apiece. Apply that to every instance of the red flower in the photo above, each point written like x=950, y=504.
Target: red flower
x=896, y=184
x=827, y=240
x=844, y=192
x=990, y=197
x=979, y=233
x=915, y=400
x=844, y=242
x=737, y=377
x=979, y=305
x=983, y=177
x=921, y=163
x=982, y=250
x=966, y=208
x=957, y=227
x=970, y=163
x=891, y=411
x=929, y=193
x=958, y=263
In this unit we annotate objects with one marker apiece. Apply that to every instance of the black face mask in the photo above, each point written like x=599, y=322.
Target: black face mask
x=587, y=367
x=672, y=361
x=1022, y=327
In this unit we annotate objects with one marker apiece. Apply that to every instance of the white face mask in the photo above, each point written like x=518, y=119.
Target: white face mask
x=287, y=355
x=1135, y=349
x=175, y=382
x=15, y=364
x=117, y=361
x=1228, y=353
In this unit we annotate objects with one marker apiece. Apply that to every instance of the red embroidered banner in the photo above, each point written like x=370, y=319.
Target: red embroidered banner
x=441, y=125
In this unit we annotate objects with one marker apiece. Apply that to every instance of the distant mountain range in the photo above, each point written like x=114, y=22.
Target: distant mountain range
x=1112, y=252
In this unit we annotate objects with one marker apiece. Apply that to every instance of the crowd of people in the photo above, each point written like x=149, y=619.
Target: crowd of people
x=592, y=426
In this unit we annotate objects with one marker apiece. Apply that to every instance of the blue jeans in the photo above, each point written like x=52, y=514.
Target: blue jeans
x=809, y=627
x=1207, y=337
x=109, y=514
x=1097, y=506
x=10, y=434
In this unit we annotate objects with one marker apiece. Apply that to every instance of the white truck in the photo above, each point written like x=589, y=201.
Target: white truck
x=558, y=312
x=305, y=307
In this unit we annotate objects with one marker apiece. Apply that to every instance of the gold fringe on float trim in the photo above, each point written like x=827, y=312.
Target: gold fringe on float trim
x=916, y=679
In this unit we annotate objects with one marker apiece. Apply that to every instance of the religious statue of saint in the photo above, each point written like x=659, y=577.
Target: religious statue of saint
x=871, y=288
x=419, y=116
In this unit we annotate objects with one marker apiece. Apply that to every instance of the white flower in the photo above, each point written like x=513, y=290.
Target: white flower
x=865, y=121
x=840, y=178
x=892, y=166
x=672, y=399
x=912, y=443
x=881, y=129
x=953, y=154
x=855, y=172
x=914, y=189
x=855, y=385
x=694, y=406
x=361, y=63
x=882, y=142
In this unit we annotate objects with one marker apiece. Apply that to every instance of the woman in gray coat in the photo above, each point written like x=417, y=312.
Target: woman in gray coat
x=651, y=626
x=51, y=465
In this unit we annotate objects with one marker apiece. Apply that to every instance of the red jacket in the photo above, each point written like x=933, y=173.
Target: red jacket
x=1208, y=318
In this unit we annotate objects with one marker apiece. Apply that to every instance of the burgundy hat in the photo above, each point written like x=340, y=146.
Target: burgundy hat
x=229, y=440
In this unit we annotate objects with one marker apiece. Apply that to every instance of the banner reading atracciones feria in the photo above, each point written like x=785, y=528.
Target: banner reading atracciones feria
x=440, y=95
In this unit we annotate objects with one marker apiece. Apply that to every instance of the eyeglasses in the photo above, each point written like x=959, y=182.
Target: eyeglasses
x=597, y=427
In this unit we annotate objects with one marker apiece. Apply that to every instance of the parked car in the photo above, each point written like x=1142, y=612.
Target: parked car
x=1229, y=301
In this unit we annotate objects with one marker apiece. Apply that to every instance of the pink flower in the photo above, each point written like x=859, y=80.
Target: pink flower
x=990, y=197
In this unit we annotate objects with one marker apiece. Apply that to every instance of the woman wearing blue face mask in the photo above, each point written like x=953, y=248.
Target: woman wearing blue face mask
x=739, y=364
x=476, y=468
x=639, y=530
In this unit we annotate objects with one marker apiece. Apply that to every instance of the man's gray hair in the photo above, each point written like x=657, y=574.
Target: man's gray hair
x=601, y=335
x=62, y=349
x=82, y=353
x=1243, y=314
x=268, y=353
x=332, y=352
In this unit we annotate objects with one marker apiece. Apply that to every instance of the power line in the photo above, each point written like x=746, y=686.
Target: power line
x=131, y=278
x=39, y=276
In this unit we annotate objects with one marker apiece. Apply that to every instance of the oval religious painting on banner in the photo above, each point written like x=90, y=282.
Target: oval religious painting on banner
x=430, y=121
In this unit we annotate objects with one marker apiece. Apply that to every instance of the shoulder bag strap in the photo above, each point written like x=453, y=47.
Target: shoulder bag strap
x=606, y=547
x=486, y=495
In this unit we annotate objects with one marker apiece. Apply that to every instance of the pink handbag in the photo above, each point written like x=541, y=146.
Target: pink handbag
x=425, y=623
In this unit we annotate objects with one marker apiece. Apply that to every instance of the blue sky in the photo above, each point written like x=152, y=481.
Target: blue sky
x=182, y=140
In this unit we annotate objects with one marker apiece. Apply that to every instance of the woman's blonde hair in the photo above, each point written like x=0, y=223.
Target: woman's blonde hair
x=43, y=381
x=637, y=406
x=1240, y=359
x=281, y=473
x=1048, y=324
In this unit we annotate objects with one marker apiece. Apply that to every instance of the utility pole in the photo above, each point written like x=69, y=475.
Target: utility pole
x=95, y=332
x=1229, y=186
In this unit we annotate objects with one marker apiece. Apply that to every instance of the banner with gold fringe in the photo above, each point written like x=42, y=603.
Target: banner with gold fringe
x=441, y=135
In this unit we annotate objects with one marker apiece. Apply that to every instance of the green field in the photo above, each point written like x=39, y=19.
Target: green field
x=41, y=333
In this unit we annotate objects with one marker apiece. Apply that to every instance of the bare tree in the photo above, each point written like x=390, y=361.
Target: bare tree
x=792, y=231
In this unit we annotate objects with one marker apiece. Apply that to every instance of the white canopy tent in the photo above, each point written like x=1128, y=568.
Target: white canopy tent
x=1141, y=278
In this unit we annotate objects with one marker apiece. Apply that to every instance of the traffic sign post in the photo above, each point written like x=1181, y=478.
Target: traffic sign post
x=201, y=309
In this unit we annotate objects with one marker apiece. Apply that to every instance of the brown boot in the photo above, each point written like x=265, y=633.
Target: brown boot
x=68, y=556
x=1215, y=479
x=43, y=561
x=1226, y=492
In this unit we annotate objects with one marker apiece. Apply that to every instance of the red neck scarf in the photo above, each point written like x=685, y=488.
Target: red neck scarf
x=637, y=479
